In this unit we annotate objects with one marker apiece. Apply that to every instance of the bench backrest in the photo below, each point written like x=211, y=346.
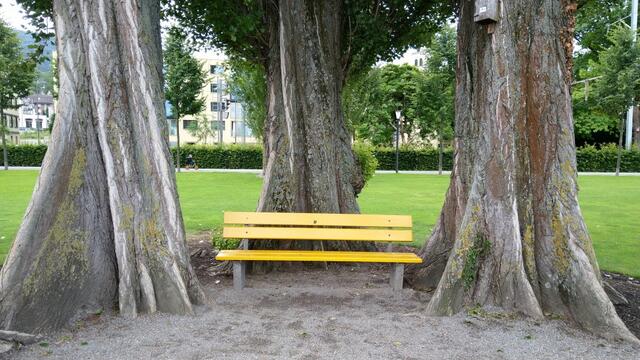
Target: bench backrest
x=312, y=226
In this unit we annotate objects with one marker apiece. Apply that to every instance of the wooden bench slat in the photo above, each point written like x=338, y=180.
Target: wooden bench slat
x=293, y=233
x=314, y=219
x=310, y=255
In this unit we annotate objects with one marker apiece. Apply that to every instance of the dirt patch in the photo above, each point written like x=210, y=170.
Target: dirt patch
x=203, y=261
x=629, y=287
x=343, y=312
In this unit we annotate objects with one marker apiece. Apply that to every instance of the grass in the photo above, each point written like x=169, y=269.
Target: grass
x=611, y=206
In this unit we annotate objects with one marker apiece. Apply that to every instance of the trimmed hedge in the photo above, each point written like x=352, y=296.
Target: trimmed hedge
x=26, y=155
x=413, y=159
x=590, y=159
x=222, y=157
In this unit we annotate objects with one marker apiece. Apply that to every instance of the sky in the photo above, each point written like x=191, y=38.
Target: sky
x=13, y=14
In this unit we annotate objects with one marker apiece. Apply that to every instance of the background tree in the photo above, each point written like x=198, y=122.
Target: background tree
x=184, y=80
x=619, y=87
x=247, y=81
x=104, y=226
x=17, y=73
x=594, y=21
x=511, y=233
x=437, y=91
x=372, y=99
x=307, y=50
x=201, y=128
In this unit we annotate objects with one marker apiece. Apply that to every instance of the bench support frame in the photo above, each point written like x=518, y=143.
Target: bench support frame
x=239, y=274
x=397, y=276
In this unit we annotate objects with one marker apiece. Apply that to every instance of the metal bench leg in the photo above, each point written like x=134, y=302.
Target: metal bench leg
x=239, y=272
x=397, y=274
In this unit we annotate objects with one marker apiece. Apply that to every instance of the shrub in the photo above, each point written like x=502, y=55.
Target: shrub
x=220, y=243
x=366, y=159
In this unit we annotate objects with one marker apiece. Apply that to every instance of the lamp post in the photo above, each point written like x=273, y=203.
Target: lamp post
x=398, y=116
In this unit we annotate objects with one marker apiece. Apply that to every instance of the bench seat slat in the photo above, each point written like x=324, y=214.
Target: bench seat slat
x=315, y=219
x=309, y=255
x=292, y=233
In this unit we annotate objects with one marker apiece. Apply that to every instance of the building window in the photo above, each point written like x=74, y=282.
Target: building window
x=420, y=61
x=172, y=127
x=216, y=106
x=239, y=129
x=27, y=123
x=217, y=125
x=214, y=87
x=186, y=124
x=216, y=69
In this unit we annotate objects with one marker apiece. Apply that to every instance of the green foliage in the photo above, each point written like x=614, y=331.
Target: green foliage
x=17, y=72
x=370, y=32
x=371, y=100
x=201, y=128
x=239, y=156
x=480, y=248
x=220, y=243
x=184, y=76
x=413, y=158
x=619, y=66
x=425, y=96
x=233, y=156
x=592, y=159
x=437, y=91
x=366, y=159
x=247, y=81
x=26, y=155
x=594, y=19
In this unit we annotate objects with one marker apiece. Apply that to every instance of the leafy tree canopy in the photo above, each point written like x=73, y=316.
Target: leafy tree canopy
x=371, y=30
x=619, y=65
x=184, y=76
x=247, y=82
x=17, y=72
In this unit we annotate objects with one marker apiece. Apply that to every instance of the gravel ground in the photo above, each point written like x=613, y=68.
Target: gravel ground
x=340, y=313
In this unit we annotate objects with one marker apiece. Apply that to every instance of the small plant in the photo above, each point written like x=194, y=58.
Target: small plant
x=479, y=249
x=366, y=159
x=220, y=243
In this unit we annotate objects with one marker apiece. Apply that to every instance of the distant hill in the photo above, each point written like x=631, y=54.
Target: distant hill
x=27, y=40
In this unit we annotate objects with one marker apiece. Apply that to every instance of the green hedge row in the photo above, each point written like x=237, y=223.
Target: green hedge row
x=222, y=157
x=589, y=159
x=25, y=155
x=413, y=159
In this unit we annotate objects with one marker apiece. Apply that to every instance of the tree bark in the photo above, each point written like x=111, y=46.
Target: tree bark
x=104, y=226
x=310, y=166
x=511, y=233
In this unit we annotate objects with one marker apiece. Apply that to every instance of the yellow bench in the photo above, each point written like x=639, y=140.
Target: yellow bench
x=317, y=227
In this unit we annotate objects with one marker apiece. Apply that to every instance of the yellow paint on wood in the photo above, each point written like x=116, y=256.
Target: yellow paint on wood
x=295, y=233
x=306, y=255
x=313, y=219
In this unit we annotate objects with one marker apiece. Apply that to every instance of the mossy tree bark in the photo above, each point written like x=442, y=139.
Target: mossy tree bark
x=511, y=233
x=310, y=166
x=104, y=226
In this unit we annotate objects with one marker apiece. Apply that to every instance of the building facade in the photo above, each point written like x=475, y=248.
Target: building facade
x=11, y=118
x=35, y=112
x=223, y=114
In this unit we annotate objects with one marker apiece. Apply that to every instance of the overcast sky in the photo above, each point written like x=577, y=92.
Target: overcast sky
x=13, y=14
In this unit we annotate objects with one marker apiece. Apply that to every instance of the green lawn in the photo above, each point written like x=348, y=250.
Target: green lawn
x=611, y=206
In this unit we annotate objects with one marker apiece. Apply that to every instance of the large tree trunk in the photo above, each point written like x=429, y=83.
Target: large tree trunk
x=310, y=166
x=104, y=226
x=511, y=233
